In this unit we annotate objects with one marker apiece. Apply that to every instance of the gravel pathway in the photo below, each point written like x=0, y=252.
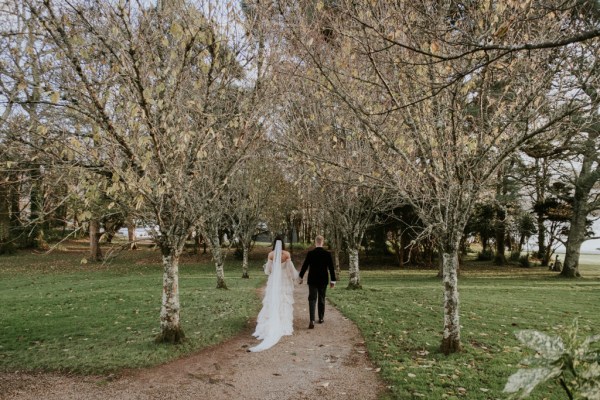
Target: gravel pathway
x=328, y=362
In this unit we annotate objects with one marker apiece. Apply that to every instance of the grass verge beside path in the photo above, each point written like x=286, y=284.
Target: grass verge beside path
x=60, y=315
x=400, y=316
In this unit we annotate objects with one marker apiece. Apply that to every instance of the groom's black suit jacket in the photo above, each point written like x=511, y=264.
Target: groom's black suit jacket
x=320, y=263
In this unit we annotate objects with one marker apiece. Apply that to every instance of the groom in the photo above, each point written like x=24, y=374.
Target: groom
x=320, y=264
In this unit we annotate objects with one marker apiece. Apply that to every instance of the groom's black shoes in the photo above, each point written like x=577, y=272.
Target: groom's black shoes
x=321, y=321
x=311, y=325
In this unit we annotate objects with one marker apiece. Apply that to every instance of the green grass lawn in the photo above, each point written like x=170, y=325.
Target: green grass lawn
x=400, y=316
x=58, y=314
x=61, y=315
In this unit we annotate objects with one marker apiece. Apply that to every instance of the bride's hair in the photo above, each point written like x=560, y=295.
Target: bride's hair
x=279, y=237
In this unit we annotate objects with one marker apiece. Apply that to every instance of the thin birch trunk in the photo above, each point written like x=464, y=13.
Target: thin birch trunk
x=336, y=261
x=354, y=270
x=451, y=335
x=245, y=260
x=170, y=325
x=218, y=258
x=337, y=244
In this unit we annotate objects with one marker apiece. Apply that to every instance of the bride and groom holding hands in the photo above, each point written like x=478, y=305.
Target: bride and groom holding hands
x=277, y=314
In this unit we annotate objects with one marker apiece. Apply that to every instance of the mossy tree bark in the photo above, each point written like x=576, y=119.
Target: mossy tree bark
x=245, y=252
x=451, y=336
x=170, y=324
x=354, y=269
x=95, y=249
x=217, y=253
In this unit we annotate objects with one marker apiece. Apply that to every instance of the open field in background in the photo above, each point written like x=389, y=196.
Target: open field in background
x=589, y=264
x=400, y=316
x=62, y=315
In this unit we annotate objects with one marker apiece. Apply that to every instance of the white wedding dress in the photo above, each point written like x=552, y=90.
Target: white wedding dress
x=276, y=317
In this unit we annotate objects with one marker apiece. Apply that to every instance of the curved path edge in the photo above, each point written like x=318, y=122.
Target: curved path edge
x=328, y=362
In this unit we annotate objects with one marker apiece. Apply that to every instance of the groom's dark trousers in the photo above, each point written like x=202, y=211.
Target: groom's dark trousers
x=314, y=293
x=320, y=266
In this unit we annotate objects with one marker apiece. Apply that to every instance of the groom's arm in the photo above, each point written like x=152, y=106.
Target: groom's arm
x=331, y=269
x=305, y=265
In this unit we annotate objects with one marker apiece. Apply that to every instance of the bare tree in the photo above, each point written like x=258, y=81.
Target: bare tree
x=585, y=72
x=22, y=83
x=253, y=186
x=444, y=96
x=586, y=196
x=212, y=224
x=5, y=236
x=160, y=90
x=329, y=142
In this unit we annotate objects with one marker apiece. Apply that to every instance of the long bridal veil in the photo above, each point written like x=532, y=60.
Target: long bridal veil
x=275, y=318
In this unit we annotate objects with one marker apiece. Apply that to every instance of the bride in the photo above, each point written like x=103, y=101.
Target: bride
x=275, y=318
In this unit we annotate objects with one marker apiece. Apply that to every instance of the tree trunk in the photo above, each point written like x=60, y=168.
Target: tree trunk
x=501, y=192
x=245, y=260
x=336, y=261
x=131, y=236
x=451, y=336
x=576, y=238
x=541, y=180
x=218, y=258
x=337, y=244
x=5, y=236
x=521, y=243
x=36, y=216
x=484, y=243
x=589, y=176
x=196, y=243
x=396, y=248
x=354, y=270
x=60, y=214
x=440, y=267
x=396, y=242
x=542, y=250
x=15, y=206
x=291, y=233
x=415, y=254
x=500, y=233
x=170, y=325
x=95, y=250
x=405, y=247
x=510, y=242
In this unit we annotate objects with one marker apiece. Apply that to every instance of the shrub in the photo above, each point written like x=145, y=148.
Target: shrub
x=524, y=261
x=238, y=253
x=300, y=246
x=7, y=248
x=486, y=255
x=572, y=362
